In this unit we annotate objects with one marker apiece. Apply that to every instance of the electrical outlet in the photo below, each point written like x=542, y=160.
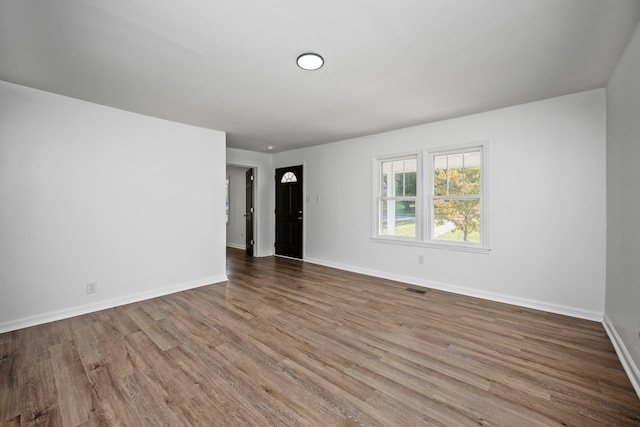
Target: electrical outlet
x=92, y=287
x=420, y=259
x=241, y=234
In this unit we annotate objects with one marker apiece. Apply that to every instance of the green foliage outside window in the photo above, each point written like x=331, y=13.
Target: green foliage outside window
x=456, y=181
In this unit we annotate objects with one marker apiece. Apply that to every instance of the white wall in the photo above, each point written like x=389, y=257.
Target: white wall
x=264, y=193
x=623, y=208
x=94, y=194
x=237, y=204
x=546, y=201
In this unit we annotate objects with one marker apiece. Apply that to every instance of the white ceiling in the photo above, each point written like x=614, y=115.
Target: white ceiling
x=230, y=65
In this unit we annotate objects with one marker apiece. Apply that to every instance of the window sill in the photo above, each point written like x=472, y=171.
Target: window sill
x=445, y=246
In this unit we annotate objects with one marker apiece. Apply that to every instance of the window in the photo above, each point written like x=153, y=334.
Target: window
x=452, y=197
x=397, y=199
x=289, y=177
x=456, y=196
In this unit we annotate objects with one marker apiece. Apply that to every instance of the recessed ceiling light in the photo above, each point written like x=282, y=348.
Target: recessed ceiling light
x=310, y=61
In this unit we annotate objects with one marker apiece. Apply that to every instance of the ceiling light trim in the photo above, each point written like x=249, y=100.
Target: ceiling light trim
x=310, y=61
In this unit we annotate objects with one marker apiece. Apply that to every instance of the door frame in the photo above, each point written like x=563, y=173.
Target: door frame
x=256, y=204
x=249, y=211
x=305, y=206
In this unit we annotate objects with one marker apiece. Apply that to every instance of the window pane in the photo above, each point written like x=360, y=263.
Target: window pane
x=471, y=173
x=398, y=218
x=472, y=159
x=386, y=173
x=410, y=184
x=471, y=180
x=440, y=162
x=455, y=161
x=289, y=177
x=399, y=182
x=440, y=175
x=398, y=166
x=456, y=175
x=457, y=220
x=410, y=167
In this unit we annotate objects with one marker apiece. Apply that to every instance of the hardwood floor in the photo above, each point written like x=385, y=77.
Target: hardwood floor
x=288, y=343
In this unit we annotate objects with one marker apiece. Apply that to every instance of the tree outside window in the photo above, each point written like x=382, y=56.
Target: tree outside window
x=433, y=199
x=456, y=196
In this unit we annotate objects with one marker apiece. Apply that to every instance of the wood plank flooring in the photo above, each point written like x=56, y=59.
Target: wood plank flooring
x=286, y=343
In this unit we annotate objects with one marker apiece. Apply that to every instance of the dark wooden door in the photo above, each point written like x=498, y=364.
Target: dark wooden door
x=289, y=217
x=249, y=212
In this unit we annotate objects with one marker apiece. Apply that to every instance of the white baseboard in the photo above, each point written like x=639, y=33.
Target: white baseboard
x=102, y=305
x=630, y=367
x=255, y=250
x=507, y=299
x=236, y=246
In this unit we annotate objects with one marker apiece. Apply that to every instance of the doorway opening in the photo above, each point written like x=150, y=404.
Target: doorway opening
x=241, y=208
x=249, y=211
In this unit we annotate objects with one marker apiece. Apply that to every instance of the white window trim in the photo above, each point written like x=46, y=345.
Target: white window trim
x=424, y=197
x=377, y=190
x=483, y=245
